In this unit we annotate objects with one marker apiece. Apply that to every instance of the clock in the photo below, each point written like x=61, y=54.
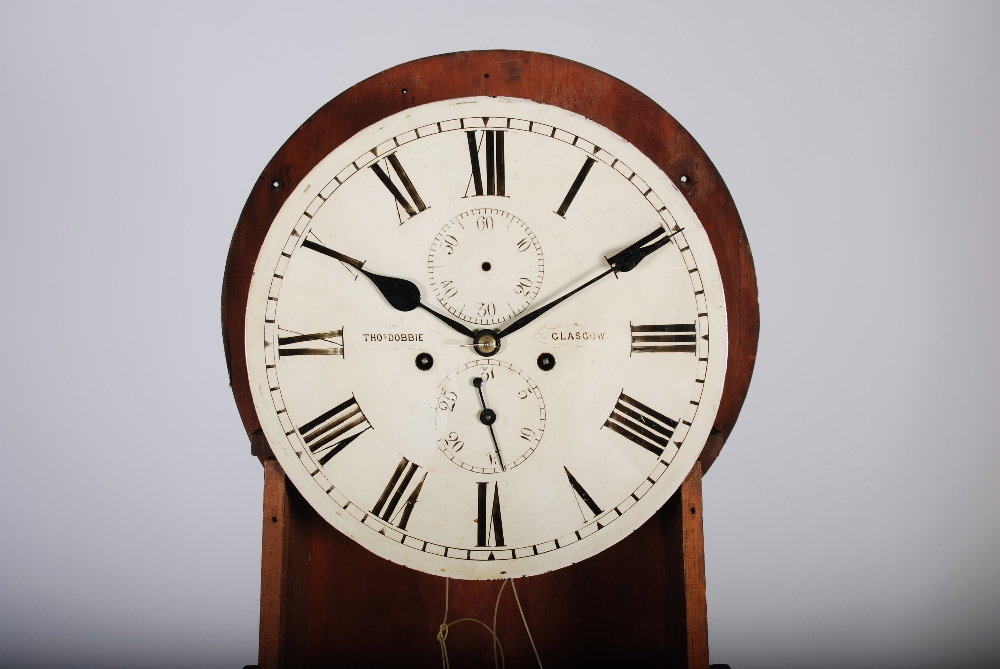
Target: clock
x=486, y=337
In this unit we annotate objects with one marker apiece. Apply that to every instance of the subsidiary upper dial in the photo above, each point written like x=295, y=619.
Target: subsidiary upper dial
x=485, y=266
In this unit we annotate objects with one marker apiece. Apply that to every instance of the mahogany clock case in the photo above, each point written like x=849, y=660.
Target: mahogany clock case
x=305, y=601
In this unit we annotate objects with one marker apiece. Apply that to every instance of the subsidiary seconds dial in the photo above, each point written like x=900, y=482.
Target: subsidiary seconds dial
x=490, y=416
x=485, y=266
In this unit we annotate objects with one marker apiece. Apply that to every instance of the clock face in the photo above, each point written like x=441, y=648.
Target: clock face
x=486, y=338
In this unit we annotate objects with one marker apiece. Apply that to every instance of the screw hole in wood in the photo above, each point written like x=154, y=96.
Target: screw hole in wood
x=274, y=519
x=405, y=91
x=275, y=185
x=685, y=180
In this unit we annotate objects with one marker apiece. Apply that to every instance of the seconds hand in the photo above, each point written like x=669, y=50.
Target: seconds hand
x=487, y=417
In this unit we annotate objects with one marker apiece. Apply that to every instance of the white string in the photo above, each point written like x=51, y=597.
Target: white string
x=496, y=608
x=525, y=620
x=442, y=634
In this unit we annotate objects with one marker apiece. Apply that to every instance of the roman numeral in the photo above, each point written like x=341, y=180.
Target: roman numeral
x=386, y=505
x=296, y=343
x=675, y=338
x=407, y=184
x=575, y=188
x=494, y=519
x=496, y=179
x=332, y=431
x=639, y=424
x=587, y=499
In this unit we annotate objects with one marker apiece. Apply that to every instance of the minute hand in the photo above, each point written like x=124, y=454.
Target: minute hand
x=623, y=261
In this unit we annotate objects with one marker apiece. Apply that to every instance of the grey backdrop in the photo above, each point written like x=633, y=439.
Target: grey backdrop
x=852, y=520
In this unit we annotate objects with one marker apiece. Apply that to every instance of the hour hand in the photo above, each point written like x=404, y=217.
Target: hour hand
x=401, y=294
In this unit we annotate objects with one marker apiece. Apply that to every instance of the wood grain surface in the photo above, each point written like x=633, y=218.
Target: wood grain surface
x=327, y=601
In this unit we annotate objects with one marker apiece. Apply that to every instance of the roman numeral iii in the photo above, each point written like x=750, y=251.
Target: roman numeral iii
x=318, y=343
x=417, y=205
x=674, y=338
x=493, y=520
x=394, y=491
x=331, y=432
x=496, y=175
x=641, y=425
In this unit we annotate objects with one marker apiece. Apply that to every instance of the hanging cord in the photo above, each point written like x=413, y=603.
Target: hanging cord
x=442, y=634
x=523, y=619
x=496, y=608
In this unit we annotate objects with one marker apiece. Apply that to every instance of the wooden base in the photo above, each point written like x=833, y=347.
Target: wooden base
x=328, y=602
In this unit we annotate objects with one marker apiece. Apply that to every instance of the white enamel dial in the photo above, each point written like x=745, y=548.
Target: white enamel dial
x=386, y=279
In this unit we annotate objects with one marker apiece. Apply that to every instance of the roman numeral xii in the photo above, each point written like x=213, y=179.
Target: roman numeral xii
x=496, y=173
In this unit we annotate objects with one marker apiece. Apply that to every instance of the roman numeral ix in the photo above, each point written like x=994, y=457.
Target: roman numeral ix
x=417, y=205
x=331, y=432
x=675, y=338
x=386, y=505
x=493, y=520
x=496, y=179
x=641, y=425
x=575, y=188
x=296, y=343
